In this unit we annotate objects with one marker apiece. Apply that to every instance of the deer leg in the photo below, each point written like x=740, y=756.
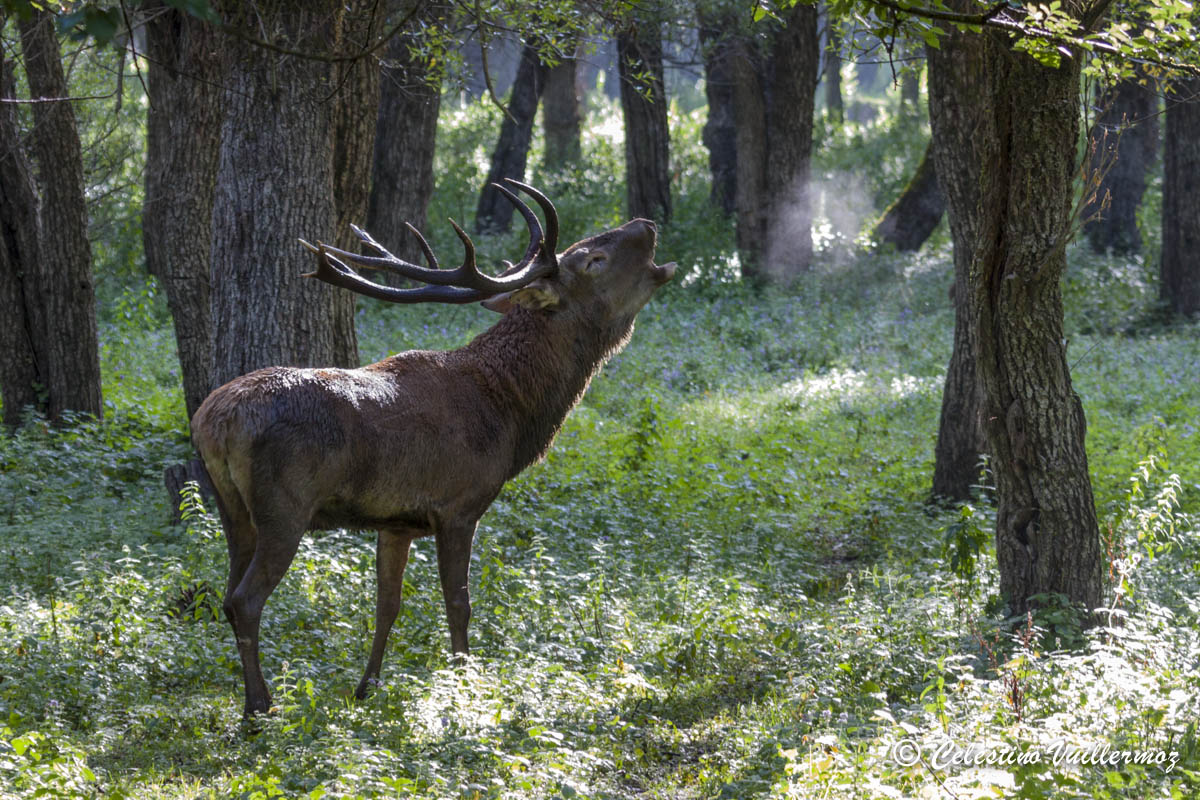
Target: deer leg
x=240, y=537
x=273, y=554
x=391, y=557
x=454, y=563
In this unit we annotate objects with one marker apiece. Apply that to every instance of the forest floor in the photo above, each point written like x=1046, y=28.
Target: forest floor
x=724, y=581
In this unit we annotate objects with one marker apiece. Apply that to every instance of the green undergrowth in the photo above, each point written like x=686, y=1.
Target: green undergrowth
x=723, y=582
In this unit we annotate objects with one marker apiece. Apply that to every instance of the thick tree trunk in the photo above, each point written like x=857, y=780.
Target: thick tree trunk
x=561, y=117
x=750, y=129
x=1125, y=143
x=276, y=183
x=183, y=137
x=65, y=322
x=494, y=212
x=406, y=136
x=1009, y=193
x=355, y=115
x=647, y=137
x=1180, y=267
x=773, y=110
x=911, y=218
x=720, y=133
x=19, y=254
x=791, y=91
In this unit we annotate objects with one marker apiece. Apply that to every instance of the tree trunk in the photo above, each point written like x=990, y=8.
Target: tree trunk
x=276, y=183
x=750, y=128
x=406, y=136
x=19, y=255
x=355, y=115
x=1125, y=142
x=833, y=72
x=720, y=133
x=773, y=110
x=183, y=137
x=1180, y=267
x=911, y=218
x=1009, y=194
x=60, y=303
x=647, y=137
x=561, y=117
x=494, y=212
x=791, y=91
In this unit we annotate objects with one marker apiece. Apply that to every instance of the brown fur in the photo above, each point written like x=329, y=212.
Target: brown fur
x=417, y=444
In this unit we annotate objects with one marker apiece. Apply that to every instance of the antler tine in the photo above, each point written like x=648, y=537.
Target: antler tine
x=547, y=209
x=369, y=240
x=536, y=236
x=333, y=271
x=425, y=248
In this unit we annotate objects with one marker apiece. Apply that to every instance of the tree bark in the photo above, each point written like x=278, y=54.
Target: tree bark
x=60, y=303
x=791, y=92
x=405, y=141
x=1005, y=128
x=1180, y=267
x=647, y=137
x=355, y=115
x=1125, y=143
x=750, y=129
x=720, y=132
x=561, y=117
x=912, y=217
x=183, y=137
x=494, y=212
x=19, y=254
x=773, y=109
x=276, y=183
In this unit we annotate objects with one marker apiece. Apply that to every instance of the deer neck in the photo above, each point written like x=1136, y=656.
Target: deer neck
x=537, y=366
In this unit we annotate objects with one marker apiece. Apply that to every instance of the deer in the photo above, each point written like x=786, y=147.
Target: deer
x=420, y=443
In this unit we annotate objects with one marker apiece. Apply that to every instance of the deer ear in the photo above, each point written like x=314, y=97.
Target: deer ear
x=537, y=295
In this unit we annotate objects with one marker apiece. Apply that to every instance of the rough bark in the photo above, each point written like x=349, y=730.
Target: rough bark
x=355, y=115
x=773, y=109
x=912, y=217
x=19, y=250
x=1180, y=266
x=183, y=136
x=720, y=133
x=494, y=213
x=791, y=91
x=647, y=137
x=65, y=318
x=1005, y=128
x=275, y=183
x=1124, y=144
x=561, y=116
x=750, y=129
x=406, y=134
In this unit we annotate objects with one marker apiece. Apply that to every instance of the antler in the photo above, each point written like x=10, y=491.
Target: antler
x=463, y=284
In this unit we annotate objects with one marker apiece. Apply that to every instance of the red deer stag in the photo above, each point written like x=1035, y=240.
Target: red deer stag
x=418, y=444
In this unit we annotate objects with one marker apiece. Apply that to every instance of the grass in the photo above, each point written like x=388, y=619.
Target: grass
x=724, y=581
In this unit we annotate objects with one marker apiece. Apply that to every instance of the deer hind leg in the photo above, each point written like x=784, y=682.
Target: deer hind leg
x=391, y=557
x=454, y=562
x=278, y=537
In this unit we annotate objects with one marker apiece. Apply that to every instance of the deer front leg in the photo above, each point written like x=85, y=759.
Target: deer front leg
x=454, y=563
x=391, y=557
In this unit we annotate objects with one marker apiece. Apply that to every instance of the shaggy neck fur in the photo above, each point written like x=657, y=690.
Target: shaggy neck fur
x=538, y=364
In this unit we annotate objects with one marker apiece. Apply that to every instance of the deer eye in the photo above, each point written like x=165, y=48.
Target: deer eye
x=595, y=261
